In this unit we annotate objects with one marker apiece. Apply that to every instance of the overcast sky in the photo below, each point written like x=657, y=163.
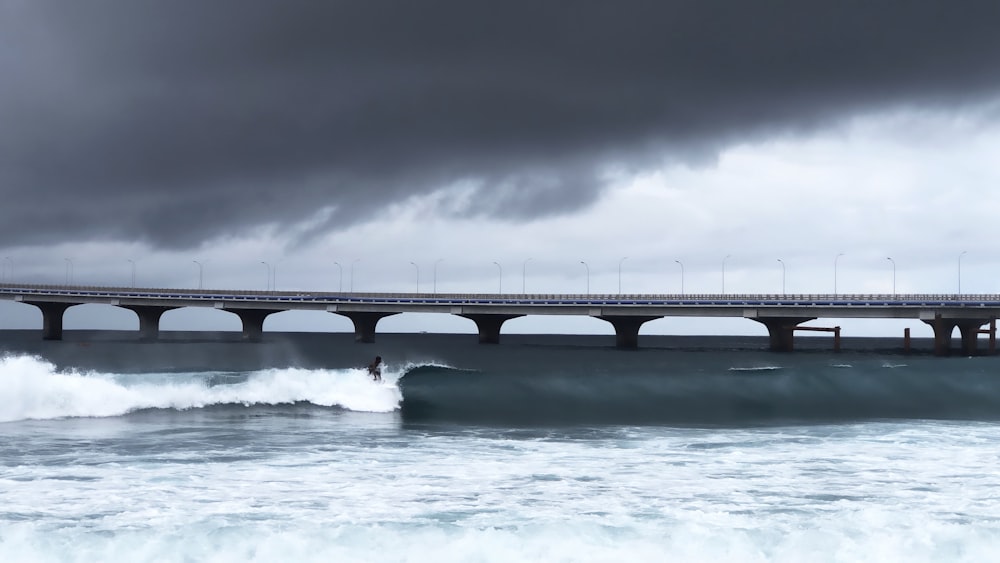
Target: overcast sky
x=464, y=146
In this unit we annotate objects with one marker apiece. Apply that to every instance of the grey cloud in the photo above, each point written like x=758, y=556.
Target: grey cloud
x=176, y=122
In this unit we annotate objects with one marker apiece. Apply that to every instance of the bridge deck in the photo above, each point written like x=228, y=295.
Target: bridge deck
x=781, y=314
x=744, y=305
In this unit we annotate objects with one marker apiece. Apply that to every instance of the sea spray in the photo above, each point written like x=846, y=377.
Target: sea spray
x=34, y=389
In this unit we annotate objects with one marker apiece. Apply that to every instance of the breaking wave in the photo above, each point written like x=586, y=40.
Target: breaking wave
x=541, y=395
x=34, y=389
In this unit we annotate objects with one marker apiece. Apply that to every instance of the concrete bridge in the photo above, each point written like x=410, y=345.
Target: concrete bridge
x=782, y=315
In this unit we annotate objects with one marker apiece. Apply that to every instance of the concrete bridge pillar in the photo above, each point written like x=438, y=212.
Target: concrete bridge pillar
x=52, y=318
x=364, y=324
x=781, y=331
x=253, y=322
x=627, y=330
x=489, y=326
x=942, y=334
x=970, y=329
x=149, y=319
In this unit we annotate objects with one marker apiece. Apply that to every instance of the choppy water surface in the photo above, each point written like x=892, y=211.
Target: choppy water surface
x=477, y=458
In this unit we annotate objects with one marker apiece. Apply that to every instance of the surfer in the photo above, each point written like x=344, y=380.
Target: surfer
x=375, y=369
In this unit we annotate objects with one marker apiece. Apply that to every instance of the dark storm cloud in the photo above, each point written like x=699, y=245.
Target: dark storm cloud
x=175, y=122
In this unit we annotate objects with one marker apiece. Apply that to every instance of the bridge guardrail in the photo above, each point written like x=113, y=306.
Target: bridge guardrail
x=731, y=299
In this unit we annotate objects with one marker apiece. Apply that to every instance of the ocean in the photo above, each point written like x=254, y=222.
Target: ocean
x=201, y=447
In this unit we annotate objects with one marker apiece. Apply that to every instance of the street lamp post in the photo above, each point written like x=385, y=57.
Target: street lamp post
x=893, y=274
x=724, y=273
x=201, y=272
x=500, y=285
x=10, y=274
x=436, y=274
x=620, y=262
x=964, y=252
x=835, y=272
x=340, y=277
x=268, y=274
x=132, y=262
x=69, y=270
x=415, y=266
x=524, y=270
x=782, y=276
x=588, y=275
x=681, y=264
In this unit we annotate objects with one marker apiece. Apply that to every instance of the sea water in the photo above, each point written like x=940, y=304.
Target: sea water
x=200, y=448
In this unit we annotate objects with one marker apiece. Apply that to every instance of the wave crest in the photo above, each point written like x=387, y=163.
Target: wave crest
x=35, y=389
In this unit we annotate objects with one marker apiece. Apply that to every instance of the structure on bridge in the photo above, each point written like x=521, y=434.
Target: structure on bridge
x=781, y=315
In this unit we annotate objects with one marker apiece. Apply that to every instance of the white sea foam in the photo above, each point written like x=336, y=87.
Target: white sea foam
x=868, y=492
x=34, y=389
x=564, y=543
x=759, y=368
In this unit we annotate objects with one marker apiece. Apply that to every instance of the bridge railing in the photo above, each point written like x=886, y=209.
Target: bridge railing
x=791, y=298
